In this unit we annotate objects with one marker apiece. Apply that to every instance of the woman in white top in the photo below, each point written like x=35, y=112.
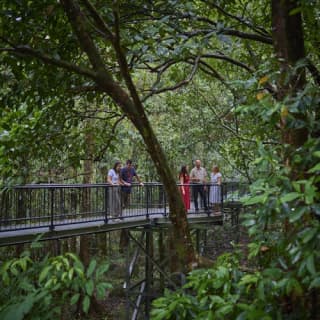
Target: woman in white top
x=215, y=188
x=114, y=199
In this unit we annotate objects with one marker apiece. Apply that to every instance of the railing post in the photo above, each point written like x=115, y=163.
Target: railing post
x=21, y=212
x=222, y=186
x=207, y=195
x=147, y=197
x=52, y=210
x=106, y=204
x=165, y=202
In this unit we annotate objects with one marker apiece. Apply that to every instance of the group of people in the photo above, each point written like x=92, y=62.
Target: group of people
x=198, y=180
x=119, y=197
x=121, y=179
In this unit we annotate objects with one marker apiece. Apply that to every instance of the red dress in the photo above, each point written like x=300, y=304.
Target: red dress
x=186, y=195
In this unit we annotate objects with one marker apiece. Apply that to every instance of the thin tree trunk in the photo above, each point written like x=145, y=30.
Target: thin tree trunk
x=73, y=244
x=102, y=244
x=124, y=241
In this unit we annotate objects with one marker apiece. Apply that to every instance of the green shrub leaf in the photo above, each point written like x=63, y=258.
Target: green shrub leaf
x=86, y=304
x=91, y=268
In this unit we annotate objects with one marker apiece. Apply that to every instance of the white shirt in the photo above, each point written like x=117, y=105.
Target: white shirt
x=114, y=176
x=198, y=173
x=215, y=177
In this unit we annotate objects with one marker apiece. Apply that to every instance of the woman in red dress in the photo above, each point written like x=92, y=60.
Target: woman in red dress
x=184, y=186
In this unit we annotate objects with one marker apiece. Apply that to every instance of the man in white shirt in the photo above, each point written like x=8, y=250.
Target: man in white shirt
x=198, y=177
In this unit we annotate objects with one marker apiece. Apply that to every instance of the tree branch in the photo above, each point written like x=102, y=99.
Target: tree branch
x=226, y=58
x=205, y=67
x=26, y=51
x=76, y=19
x=248, y=24
x=230, y=32
x=161, y=67
x=91, y=114
x=100, y=23
x=198, y=63
x=160, y=70
x=245, y=35
x=103, y=150
x=123, y=62
x=176, y=86
x=104, y=78
x=83, y=89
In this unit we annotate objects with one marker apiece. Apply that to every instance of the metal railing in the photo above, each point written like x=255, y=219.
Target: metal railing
x=52, y=205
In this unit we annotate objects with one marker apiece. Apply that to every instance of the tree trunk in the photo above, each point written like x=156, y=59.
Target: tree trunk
x=182, y=239
x=73, y=244
x=124, y=240
x=288, y=44
x=133, y=108
x=102, y=244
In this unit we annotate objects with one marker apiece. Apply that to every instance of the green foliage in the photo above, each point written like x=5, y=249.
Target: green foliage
x=221, y=292
x=226, y=115
x=40, y=289
x=45, y=106
x=283, y=219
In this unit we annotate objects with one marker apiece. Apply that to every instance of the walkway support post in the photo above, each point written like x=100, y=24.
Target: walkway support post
x=161, y=249
x=147, y=200
x=198, y=241
x=148, y=271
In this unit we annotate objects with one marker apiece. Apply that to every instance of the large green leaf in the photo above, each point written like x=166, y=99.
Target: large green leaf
x=86, y=304
x=20, y=310
x=91, y=268
x=290, y=197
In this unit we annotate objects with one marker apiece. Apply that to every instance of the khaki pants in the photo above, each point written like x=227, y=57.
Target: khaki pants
x=115, y=201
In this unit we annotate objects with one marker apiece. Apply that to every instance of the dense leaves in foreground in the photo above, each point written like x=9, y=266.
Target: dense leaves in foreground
x=32, y=289
x=282, y=277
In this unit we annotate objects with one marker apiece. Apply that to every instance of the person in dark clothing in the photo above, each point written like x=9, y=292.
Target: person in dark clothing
x=127, y=174
x=198, y=177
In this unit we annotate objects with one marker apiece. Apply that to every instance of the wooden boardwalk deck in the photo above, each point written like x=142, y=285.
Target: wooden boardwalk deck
x=24, y=233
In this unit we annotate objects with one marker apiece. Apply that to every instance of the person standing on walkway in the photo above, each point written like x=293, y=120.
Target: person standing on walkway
x=215, y=188
x=184, y=186
x=198, y=177
x=114, y=194
x=127, y=175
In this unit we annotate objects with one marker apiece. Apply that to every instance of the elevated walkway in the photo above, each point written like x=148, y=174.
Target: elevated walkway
x=60, y=211
x=11, y=237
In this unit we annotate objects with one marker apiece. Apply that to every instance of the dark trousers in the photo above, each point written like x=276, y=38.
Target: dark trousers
x=125, y=199
x=199, y=189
